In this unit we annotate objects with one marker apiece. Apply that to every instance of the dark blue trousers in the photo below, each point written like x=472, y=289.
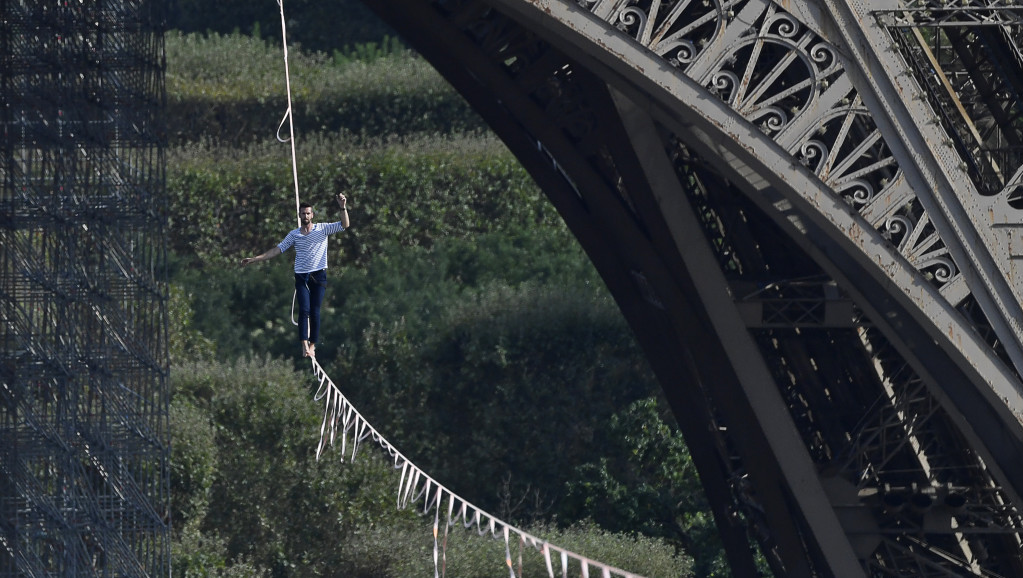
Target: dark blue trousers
x=309, y=291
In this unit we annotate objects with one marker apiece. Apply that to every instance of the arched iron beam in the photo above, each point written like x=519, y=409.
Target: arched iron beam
x=978, y=388
x=596, y=215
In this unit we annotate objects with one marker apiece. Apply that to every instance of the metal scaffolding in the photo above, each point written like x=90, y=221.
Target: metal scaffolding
x=84, y=440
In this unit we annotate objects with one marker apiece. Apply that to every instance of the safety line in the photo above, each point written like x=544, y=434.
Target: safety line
x=288, y=116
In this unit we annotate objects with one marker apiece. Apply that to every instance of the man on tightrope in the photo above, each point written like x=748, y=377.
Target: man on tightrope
x=310, y=242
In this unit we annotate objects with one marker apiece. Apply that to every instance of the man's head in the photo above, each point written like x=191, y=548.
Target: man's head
x=305, y=212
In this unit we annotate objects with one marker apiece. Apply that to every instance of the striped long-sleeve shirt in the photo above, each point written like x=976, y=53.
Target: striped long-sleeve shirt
x=311, y=249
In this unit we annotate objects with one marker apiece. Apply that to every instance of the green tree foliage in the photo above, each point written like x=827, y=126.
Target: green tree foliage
x=314, y=24
x=511, y=382
x=186, y=343
x=232, y=89
x=645, y=481
x=246, y=479
x=225, y=205
x=251, y=500
x=655, y=557
x=470, y=555
x=247, y=311
x=244, y=311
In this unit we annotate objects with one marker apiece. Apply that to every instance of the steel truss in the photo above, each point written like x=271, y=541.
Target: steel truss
x=968, y=59
x=848, y=389
x=84, y=440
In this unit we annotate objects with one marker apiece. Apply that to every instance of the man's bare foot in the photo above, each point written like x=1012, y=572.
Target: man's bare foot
x=306, y=349
x=312, y=350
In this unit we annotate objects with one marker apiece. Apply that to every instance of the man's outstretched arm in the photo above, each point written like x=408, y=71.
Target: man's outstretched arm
x=268, y=255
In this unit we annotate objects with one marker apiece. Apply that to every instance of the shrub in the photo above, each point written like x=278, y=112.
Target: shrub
x=246, y=310
x=646, y=482
x=185, y=342
x=518, y=379
x=270, y=503
x=254, y=502
x=631, y=552
x=465, y=553
x=321, y=26
x=232, y=89
x=225, y=203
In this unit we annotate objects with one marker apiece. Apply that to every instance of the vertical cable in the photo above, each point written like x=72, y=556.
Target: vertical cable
x=288, y=115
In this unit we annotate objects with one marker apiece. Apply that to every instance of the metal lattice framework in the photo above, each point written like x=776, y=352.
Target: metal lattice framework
x=84, y=440
x=967, y=57
x=808, y=210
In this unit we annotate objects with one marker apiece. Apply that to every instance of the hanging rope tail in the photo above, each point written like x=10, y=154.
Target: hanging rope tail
x=294, y=298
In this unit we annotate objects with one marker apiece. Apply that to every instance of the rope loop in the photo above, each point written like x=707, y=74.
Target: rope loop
x=287, y=116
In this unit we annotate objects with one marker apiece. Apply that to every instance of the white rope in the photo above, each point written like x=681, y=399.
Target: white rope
x=547, y=559
x=436, y=535
x=415, y=484
x=507, y=554
x=288, y=116
x=291, y=136
x=294, y=299
x=444, y=550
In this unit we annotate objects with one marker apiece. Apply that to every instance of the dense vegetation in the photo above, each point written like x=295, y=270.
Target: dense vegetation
x=316, y=25
x=462, y=319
